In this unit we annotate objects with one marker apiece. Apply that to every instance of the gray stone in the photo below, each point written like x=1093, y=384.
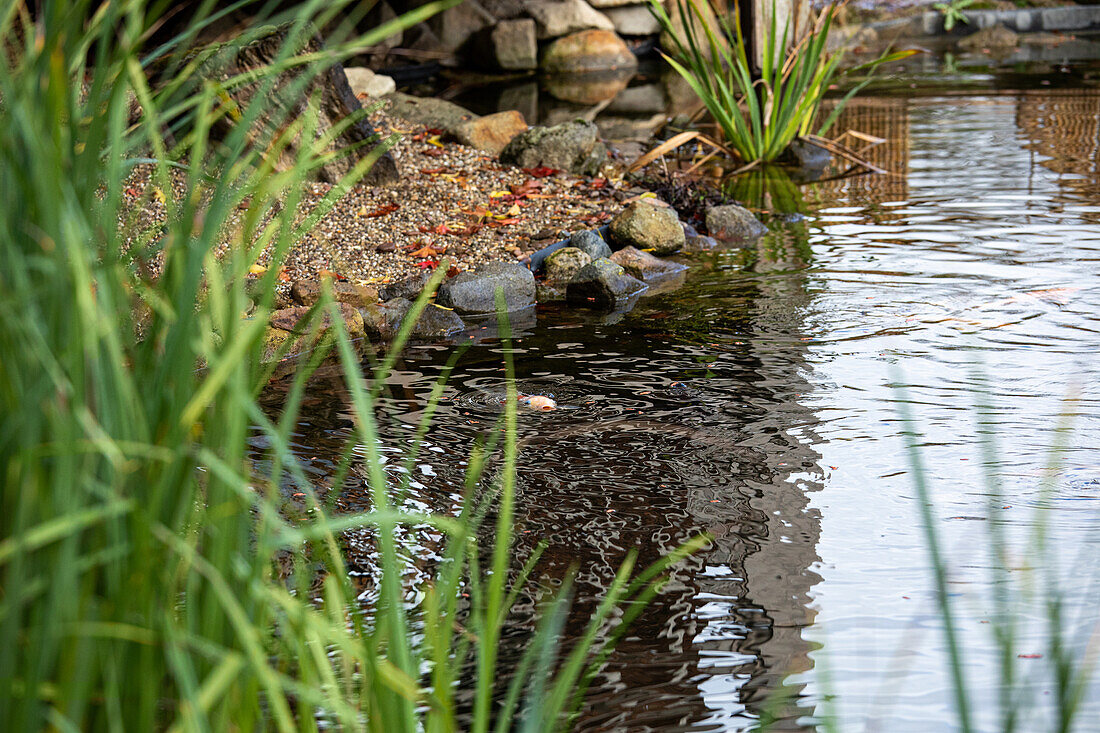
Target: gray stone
x=648, y=226
x=456, y=25
x=563, y=264
x=409, y=288
x=733, y=223
x=699, y=243
x=587, y=51
x=429, y=111
x=995, y=38
x=603, y=284
x=571, y=146
x=562, y=17
x=514, y=46
x=365, y=82
x=810, y=158
x=645, y=266
x=620, y=128
x=633, y=20
x=522, y=98
x=434, y=322
x=591, y=243
x=475, y=292
x=380, y=14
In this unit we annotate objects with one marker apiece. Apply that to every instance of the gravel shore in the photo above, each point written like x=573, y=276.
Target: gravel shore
x=452, y=201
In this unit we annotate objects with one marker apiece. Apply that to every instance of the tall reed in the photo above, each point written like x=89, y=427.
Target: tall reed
x=759, y=111
x=140, y=546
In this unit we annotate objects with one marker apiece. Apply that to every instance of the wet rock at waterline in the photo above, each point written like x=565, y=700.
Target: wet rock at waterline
x=475, y=292
x=571, y=146
x=491, y=132
x=365, y=82
x=434, y=322
x=733, y=223
x=645, y=266
x=603, y=284
x=562, y=265
x=547, y=293
x=591, y=243
x=429, y=111
x=994, y=38
x=647, y=226
x=308, y=292
x=587, y=51
x=700, y=243
x=555, y=19
x=291, y=325
x=811, y=159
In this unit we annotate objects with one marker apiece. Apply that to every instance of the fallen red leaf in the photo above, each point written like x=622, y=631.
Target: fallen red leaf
x=541, y=171
x=426, y=252
x=428, y=264
x=597, y=183
x=467, y=231
x=453, y=270
x=330, y=273
x=434, y=131
x=431, y=152
x=433, y=171
x=383, y=210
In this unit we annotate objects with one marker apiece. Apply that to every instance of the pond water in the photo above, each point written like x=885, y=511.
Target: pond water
x=759, y=403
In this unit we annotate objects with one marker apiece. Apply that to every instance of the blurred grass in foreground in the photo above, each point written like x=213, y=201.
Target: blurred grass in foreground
x=139, y=553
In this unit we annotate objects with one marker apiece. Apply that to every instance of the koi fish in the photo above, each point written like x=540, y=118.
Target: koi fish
x=538, y=402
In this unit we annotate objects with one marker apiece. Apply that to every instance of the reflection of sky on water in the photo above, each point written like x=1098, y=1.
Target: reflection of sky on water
x=987, y=271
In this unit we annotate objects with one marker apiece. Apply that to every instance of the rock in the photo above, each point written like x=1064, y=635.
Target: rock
x=811, y=159
x=562, y=265
x=733, y=223
x=409, y=288
x=546, y=293
x=649, y=227
x=699, y=243
x=456, y=25
x=287, y=325
x=630, y=128
x=994, y=38
x=633, y=20
x=308, y=292
x=379, y=14
x=513, y=45
x=594, y=50
x=491, y=132
x=434, y=322
x=601, y=4
x=645, y=266
x=475, y=292
x=365, y=82
x=591, y=243
x=602, y=284
x=571, y=146
x=562, y=17
x=647, y=99
x=429, y=111
x=585, y=89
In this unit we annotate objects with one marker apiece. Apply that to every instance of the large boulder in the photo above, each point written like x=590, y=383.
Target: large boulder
x=562, y=265
x=603, y=284
x=733, y=223
x=645, y=266
x=562, y=17
x=429, y=111
x=648, y=226
x=491, y=132
x=408, y=288
x=591, y=243
x=475, y=292
x=571, y=146
x=365, y=83
x=588, y=51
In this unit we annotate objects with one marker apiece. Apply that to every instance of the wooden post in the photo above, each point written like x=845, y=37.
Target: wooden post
x=756, y=21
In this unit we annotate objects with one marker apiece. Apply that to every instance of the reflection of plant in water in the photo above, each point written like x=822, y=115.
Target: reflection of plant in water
x=766, y=188
x=953, y=12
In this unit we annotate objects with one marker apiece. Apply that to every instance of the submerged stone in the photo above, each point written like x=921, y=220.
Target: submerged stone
x=733, y=223
x=645, y=266
x=603, y=284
